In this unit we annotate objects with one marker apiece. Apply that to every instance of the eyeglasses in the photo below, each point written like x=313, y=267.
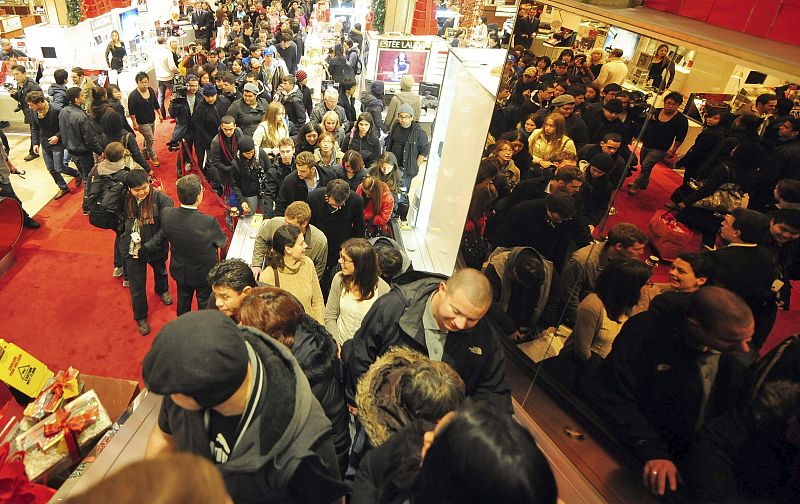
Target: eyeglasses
x=344, y=260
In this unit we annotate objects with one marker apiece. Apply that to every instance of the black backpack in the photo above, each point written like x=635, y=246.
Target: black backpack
x=106, y=200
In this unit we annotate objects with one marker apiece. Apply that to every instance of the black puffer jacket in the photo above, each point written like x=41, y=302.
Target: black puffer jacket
x=369, y=147
x=315, y=351
x=246, y=175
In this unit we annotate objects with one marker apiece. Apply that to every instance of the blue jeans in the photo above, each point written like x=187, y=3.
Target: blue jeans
x=650, y=158
x=54, y=161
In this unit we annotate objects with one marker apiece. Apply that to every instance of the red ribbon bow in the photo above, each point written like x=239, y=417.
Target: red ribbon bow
x=62, y=380
x=70, y=426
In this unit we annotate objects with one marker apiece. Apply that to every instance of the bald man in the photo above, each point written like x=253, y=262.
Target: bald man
x=671, y=369
x=444, y=319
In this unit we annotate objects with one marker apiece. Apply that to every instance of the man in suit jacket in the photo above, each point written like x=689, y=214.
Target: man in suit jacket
x=745, y=267
x=195, y=239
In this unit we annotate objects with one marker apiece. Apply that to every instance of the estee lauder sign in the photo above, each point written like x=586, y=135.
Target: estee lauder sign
x=408, y=44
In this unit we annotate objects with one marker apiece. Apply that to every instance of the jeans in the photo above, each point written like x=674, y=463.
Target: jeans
x=650, y=158
x=162, y=89
x=137, y=274
x=54, y=161
x=185, y=295
x=85, y=163
x=148, y=132
x=7, y=191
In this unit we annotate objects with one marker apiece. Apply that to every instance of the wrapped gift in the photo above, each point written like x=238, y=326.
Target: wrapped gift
x=63, y=386
x=64, y=437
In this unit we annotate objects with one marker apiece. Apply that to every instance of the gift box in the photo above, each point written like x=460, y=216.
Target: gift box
x=63, y=438
x=62, y=387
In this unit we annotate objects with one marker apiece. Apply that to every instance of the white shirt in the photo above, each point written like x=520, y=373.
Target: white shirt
x=615, y=71
x=164, y=63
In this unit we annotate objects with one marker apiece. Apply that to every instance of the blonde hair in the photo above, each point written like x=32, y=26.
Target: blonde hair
x=556, y=141
x=331, y=115
x=602, y=54
x=275, y=129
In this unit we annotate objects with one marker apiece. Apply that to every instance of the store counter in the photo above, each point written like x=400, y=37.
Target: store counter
x=243, y=240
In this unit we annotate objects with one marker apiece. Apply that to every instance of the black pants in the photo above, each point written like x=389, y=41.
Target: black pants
x=137, y=274
x=702, y=221
x=7, y=191
x=186, y=293
x=85, y=162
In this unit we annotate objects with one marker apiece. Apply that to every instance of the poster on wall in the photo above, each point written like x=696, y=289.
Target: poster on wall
x=399, y=57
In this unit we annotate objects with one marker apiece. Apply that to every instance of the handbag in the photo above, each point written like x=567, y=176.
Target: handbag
x=474, y=249
x=372, y=230
x=668, y=237
x=127, y=157
x=727, y=198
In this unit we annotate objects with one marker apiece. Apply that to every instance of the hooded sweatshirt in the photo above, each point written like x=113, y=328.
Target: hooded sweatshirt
x=288, y=433
x=372, y=102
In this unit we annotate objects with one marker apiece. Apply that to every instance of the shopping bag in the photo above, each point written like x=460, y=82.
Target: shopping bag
x=668, y=237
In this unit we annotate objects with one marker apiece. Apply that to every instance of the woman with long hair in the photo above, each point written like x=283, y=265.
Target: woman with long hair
x=502, y=152
x=279, y=314
x=143, y=242
x=353, y=290
x=115, y=100
x=549, y=140
x=387, y=171
x=307, y=139
x=290, y=269
x=364, y=139
x=99, y=106
x=714, y=127
x=659, y=64
x=116, y=49
x=327, y=152
x=479, y=455
x=354, y=171
x=378, y=205
x=338, y=68
x=271, y=130
x=526, y=127
x=580, y=72
x=333, y=125
x=602, y=313
x=597, y=59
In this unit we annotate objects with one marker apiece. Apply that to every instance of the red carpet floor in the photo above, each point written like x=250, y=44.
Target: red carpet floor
x=61, y=303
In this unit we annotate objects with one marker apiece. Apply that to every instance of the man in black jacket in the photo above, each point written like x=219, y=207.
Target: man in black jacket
x=443, y=319
x=293, y=100
x=24, y=86
x=184, y=134
x=79, y=138
x=602, y=122
x=281, y=168
x=196, y=240
x=248, y=111
x=249, y=408
x=297, y=185
x=347, y=101
x=47, y=139
x=745, y=267
x=411, y=146
x=207, y=118
x=222, y=152
x=671, y=369
x=339, y=213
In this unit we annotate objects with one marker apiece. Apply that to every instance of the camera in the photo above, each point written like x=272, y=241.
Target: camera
x=179, y=89
x=173, y=145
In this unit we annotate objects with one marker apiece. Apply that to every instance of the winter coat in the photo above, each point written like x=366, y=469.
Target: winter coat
x=378, y=217
x=316, y=352
x=246, y=177
x=247, y=117
x=369, y=147
x=207, y=118
x=417, y=144
x=396, y=320
x=77, y=132
x=370, y=102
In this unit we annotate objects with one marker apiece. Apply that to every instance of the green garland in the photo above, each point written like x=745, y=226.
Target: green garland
x=379, y=13
x=74, y=12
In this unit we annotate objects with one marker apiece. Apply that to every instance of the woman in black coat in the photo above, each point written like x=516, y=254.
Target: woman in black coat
x=112, y=126
x=306, y=139
x=713, y=133
x=363, y=139
x=338, y=68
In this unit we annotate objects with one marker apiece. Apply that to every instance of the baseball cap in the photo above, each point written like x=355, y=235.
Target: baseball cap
x=564, y=99
x=270, y=50
x=200, y=354
x=530, y=72
x=209, y=89
x=251, y=87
